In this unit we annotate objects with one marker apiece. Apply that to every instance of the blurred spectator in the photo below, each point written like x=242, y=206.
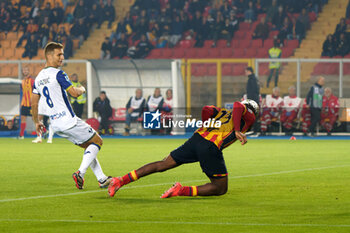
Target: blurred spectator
x=95, y=16
x=329, y=46
x=121, y=28
x=5, y=19
x=106, y=49
x=196, y=5
x=10, y=126
x=298, y=30
x=104, y=109
x=31, y=48
x=274, y=53
x=134, y=109
x=31, y=29
x=271, y=11
x=167, y=110
x=286, y=29
x=314, y=102
x=291, y=105
x=342, y=47
x=278, y=18
x=57, y=14
x=79, y=31
x=304, y=19
x=34, y=11
x=46, y=12
x=330, y=108
x=226, y=9
x=61, y=33
x=23, y=22
x=234, y=21
x=348, y=11
x=262, y=30
x=341, y=28
x=271, y=109
x=44, y=32
x=142, y=48
x=77, y=102
x=217, y=29
x=195, y=23
x=202, y=34
x=120, y=47
x=227, y=32
x=109, y=13
x=80, y=10
x=250, y=13
x=177, y=28
x=68, y=47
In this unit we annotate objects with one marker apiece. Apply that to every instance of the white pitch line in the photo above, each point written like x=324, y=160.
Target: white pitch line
x=178, y=223
x=169, y=183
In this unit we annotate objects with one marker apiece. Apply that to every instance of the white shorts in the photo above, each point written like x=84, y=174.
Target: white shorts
x=79, y=133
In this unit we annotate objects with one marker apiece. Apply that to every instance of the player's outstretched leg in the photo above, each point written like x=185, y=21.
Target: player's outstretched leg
x=217, y=187
x=159, y=166
x=92, y=147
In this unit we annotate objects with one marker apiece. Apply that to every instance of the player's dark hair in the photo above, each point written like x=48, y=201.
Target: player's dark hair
x=102, y=92
x=249, y=68
x=51, y=46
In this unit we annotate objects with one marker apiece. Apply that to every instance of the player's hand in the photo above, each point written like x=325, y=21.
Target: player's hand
x=130, y=110
x=241, y=137
x=39, y=128
x=83, y=89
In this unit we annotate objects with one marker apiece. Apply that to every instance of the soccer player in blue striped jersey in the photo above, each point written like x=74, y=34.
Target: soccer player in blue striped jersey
x=50, y=91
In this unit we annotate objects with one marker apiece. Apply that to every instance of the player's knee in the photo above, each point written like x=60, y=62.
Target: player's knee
x=220, y=189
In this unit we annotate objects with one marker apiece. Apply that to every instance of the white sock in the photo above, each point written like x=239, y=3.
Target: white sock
x=50, y=133
x=89, y=156
x=96, y=168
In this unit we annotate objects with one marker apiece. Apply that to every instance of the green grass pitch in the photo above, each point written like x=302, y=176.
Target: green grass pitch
x=274, y=186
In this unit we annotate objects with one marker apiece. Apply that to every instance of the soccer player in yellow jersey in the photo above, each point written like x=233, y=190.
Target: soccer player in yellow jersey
x=205, y=147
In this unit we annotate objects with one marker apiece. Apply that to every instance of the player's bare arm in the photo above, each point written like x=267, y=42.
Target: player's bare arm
x=76, y=91
x=39, y=126
x=241, y=137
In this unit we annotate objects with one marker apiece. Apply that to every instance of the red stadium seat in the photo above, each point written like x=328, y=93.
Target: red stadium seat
x=235, y=43
x=293, y=44
x=226, y=53
x=268, y=43
x=202, y=53
x=245, y=43
x=154, y=54
x=185, y=44
x=201, y=70
x=346, y=68
x=257, y=43
x=190, y=53
x=250, y=53
x=262, y=53
x=243, y=26
x=238, y=69
x=212, y=70
x=238, y=53
x=213, y=53
x=208, y=43
x=287, y=52
x=227, y=69
x=239, y=35
x=312, y=16
x=179, y=53
x=167, y=53
x=221, y=44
